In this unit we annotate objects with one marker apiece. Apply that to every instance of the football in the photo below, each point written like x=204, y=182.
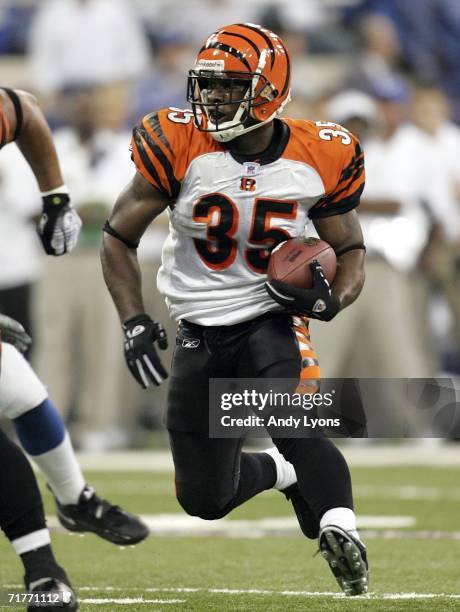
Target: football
x=290, y=261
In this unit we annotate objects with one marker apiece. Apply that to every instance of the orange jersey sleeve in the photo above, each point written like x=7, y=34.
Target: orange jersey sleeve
x=163, y=145
x=152, y=152
x=336, y=155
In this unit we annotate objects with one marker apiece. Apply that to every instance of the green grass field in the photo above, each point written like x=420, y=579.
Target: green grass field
x=419, y=571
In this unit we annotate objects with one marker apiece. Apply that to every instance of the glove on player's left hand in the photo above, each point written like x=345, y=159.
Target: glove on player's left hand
x=13, y=332
x=316, y=303
x=59, y=224
x=143, y=362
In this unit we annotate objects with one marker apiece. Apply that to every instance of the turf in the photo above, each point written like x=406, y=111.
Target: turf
x=162, y=567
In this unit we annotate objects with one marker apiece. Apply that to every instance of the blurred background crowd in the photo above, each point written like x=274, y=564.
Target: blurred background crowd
x=389, y=70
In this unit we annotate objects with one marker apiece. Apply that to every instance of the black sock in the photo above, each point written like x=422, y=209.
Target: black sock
x=262, y=470
x=322, y=472
x=40, y=563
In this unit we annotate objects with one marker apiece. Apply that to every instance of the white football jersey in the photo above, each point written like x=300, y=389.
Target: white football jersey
x=227, y=213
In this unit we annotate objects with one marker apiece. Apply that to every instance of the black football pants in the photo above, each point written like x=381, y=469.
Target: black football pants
x=213, y=476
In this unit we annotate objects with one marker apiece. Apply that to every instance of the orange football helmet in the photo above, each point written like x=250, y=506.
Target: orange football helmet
x=250, y=67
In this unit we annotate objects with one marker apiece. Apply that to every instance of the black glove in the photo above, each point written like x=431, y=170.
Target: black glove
x=315, y=303
x=59, y=224
x=140, y=335
x=14, y=333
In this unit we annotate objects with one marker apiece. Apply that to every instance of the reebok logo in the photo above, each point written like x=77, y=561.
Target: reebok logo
x=186, y=343
x=136, y=331
x=204, y=64
x=320, y=306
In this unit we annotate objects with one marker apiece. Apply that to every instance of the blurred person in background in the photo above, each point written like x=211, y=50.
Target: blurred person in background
x=20, y=250
x=58, y=225
x=172, y=55
x=394, y=339
x=378, y=59
x=186, y=20
x=429, y=39
x=86, y=42
x=388, y=334
x=441, y=257
x=313, y=75
x=90, y=382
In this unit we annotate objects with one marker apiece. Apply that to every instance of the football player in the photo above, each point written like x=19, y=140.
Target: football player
x=237, y=180
x=23, y=397
x=22, y=121
x=22, y=517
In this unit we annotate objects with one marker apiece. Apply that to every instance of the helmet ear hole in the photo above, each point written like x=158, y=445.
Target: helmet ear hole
x=268, y=92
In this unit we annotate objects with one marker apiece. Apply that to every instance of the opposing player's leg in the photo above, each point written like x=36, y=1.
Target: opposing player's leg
x=278, y=348
x=23, y=521
x=43, y=435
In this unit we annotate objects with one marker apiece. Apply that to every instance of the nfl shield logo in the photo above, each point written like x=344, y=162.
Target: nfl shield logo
x=251, y=168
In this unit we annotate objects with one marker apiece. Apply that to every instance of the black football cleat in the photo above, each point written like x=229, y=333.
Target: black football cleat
x=99, y=516
x=347, y=559
x=53, y=592
x=308, y=522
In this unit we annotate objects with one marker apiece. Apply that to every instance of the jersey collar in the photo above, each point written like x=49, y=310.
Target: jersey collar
x=274, y=150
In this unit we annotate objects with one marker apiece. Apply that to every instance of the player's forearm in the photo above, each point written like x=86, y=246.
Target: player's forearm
x=36, y=144
x=349, y=279
x=122, y=276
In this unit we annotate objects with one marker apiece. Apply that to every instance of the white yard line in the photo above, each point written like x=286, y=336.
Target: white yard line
x=127, y=601
x=227, y=591
x=409, y=492
x=184, y=525
x=359, y=453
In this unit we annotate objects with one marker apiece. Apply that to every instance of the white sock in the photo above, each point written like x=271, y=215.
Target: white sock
x=62, y=472
x=285, y=473
x=31, y=541
x=344, y=518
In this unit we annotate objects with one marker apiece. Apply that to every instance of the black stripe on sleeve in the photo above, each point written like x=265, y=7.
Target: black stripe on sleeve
x=155, y=124
x=164, y=161
x=330, y=197
x=146, y=160
x=347, y=172
x=356, y=174
x=319, y=211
